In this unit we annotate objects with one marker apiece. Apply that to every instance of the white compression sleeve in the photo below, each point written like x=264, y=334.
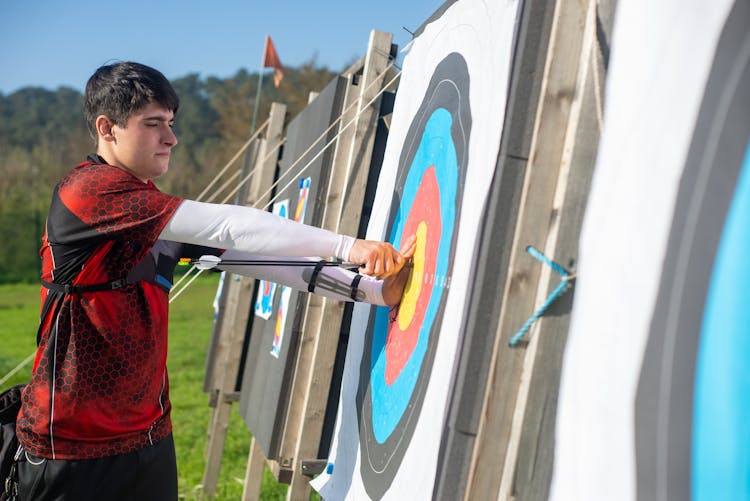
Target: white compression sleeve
x=251, y=230
x=332, y=282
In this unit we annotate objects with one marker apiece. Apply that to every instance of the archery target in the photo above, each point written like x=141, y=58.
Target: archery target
x=400, y=349
x=439, y=161
x=719, y=461
x=653, y=396
x=286, y=292
x=304, y=192
x=281, y=316
x=266, y=289
x=697, y=343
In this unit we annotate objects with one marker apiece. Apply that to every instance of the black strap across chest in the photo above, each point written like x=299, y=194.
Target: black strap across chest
x=77, y=289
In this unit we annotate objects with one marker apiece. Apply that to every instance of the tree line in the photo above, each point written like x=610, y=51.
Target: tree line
x=43, y=135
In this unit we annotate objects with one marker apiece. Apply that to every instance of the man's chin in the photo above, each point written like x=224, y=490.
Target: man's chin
x=160, y=171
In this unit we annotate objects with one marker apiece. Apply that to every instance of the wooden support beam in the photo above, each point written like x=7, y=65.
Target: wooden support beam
x=493, y=462
x=234, y=319
x=342, y=213
x=534, y=455
x=254, y=473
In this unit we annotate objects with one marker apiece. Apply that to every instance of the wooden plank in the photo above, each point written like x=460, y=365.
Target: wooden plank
x=287, y=449
x=210, y=386
x=254, y=473
x=257, y=192
x=511, y=484
x=235, y=316
x=494, y=250
x=536, y=448
x=322, y=321
x=559, y=89
x=220, y=415
x=267, y=376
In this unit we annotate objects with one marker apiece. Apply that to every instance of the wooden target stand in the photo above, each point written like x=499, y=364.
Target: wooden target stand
x=321, y=318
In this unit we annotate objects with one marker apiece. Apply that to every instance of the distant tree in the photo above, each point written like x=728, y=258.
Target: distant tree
x=295, y=88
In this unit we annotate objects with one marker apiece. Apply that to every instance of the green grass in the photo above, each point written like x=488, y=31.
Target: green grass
x=19, y=318
x=190, y=328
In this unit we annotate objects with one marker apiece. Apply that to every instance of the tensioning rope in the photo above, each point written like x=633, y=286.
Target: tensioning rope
x=252, y=172
x=17, y=368
x=309, y=163
x=565, y=279
x=230, y=162
x=290, y=171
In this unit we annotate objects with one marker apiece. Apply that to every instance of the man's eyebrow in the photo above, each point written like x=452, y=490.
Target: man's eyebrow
x=159, y=118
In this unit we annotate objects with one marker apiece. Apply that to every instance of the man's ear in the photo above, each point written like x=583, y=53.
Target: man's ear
x=104, y=128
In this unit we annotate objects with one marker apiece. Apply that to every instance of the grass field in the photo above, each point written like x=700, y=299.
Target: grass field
x=190, y=328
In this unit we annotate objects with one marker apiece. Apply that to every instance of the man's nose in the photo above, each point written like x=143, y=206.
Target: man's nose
x=170, y=138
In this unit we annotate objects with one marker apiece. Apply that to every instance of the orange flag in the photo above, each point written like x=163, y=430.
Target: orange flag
x=271, y=60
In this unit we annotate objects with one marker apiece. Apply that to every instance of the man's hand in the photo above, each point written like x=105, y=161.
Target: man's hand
x=393, y=286
x=380, y=259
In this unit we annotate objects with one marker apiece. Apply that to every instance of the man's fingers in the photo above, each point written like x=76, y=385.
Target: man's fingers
x=409, y=247
x=380, y=259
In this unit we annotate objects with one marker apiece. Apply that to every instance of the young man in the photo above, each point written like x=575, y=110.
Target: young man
x=95, y=422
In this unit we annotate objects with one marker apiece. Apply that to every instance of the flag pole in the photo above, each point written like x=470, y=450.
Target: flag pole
x=270, y=60
x=256, y=104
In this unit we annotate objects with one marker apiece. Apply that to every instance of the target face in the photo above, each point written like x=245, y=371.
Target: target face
x=286, y=292
x=281, y=316
x=266, y=290
x=400, y=348
x=693, y=399
x=304, y=191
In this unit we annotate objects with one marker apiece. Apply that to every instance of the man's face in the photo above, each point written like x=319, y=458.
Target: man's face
x=143, y=146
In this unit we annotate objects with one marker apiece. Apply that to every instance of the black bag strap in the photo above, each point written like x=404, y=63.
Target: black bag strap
x=77, y=289
x=10, y=404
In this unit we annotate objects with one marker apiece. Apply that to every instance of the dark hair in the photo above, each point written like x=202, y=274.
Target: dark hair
x=117, y=90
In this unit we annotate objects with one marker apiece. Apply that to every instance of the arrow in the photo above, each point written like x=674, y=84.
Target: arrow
x=209, y=262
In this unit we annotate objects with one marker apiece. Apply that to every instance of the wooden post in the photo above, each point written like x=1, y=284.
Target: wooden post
x=209, y=386
x=532, y=451
x=234, y=319
x=254, y=473
x=537, y=222
x=322, y=321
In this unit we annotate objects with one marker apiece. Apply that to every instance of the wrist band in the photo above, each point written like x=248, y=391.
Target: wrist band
x=314, y=276
x=355, y=285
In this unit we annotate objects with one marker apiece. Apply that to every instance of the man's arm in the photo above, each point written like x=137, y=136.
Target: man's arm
x=259, y=232
x=329, y=281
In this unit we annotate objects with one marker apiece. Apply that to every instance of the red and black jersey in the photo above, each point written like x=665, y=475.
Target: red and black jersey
x=99, y=384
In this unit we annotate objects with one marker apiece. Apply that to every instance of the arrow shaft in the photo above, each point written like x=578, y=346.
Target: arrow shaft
x=260, y=262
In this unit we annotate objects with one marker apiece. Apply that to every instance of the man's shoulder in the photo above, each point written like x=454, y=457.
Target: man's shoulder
x=90, y=178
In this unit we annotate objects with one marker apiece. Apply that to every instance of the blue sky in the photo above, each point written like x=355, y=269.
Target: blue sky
x=50, y=43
